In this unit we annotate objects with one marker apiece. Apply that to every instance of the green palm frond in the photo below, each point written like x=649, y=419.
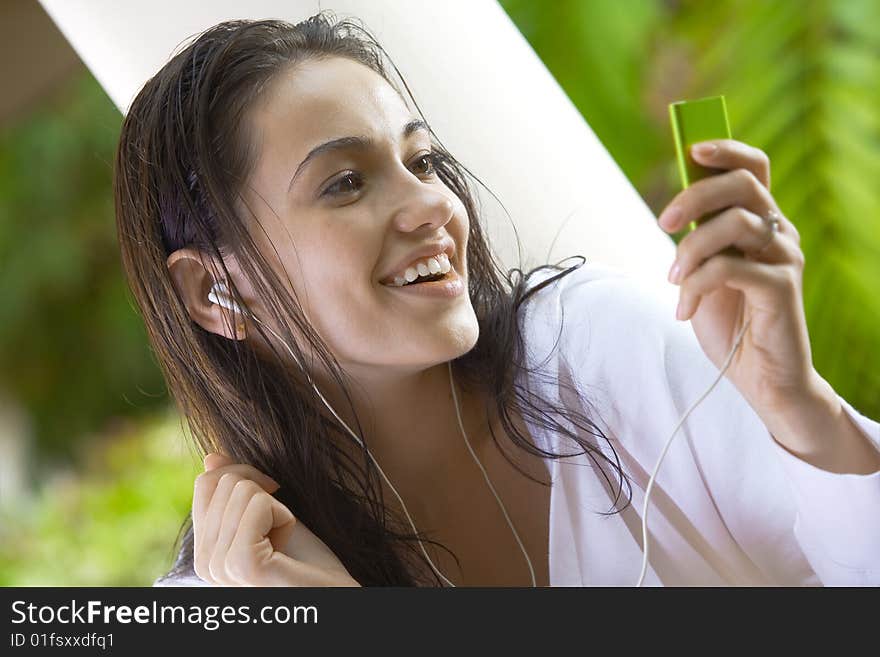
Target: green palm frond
x=801, y=82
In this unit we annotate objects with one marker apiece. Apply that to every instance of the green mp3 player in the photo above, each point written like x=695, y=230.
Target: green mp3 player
x=695, y=121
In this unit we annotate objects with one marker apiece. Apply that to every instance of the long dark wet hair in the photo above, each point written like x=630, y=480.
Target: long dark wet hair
x=183, y=156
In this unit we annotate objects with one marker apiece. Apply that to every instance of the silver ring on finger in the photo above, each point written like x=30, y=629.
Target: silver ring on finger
x=772, y=220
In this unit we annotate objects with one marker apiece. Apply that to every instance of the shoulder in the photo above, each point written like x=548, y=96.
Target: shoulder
x=614, y=337
x=599, y=313
x=591, y=288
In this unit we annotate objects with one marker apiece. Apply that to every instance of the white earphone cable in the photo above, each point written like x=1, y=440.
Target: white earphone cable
x=486, y=476
x=666, y=448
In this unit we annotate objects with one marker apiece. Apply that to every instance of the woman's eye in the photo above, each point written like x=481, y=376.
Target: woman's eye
x=343, y=185
x=430, y=159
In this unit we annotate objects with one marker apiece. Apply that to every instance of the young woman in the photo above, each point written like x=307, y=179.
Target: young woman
x=380, y=404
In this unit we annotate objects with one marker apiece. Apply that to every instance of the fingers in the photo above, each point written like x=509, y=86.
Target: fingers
x=741, y=198
x=732, y=154
x=241, y=533
x=232, y=517
x=214, y=460
x=715, y=193
x=735, y=227
x=206, y=533
x=212, y=494
x=746, y=183
x=207, y=482
x=251, y=558
x=233, y=512
x=765, y=283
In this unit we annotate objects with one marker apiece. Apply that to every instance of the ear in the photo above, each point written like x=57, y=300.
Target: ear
x=193, y=282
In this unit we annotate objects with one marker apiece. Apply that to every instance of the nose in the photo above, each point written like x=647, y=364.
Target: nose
x=422, y=203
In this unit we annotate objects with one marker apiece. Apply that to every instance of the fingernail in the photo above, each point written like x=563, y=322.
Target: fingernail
x=679, y=311
x=674, y=273
x=670, y=217
x=705, y=149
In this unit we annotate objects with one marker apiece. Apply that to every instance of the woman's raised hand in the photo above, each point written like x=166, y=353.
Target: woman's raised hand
x=719, y=290
x=245, y=537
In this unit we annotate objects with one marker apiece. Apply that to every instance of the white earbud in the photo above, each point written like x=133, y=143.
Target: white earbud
x=219, y=294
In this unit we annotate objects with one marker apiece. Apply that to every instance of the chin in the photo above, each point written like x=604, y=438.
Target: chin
x=466, y=335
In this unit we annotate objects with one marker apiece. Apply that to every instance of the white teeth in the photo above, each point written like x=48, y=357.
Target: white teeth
x=438, y=264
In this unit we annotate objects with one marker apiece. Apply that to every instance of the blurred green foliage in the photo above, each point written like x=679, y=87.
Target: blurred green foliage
x=801, y=84
x=73, y=352
x=110, y=523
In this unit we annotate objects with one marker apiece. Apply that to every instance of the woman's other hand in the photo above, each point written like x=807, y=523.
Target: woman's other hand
x=245, y=537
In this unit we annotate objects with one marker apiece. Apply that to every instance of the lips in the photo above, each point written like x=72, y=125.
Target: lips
x=446, y=246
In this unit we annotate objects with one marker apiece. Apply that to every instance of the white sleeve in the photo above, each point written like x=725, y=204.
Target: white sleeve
x=838, y=518
x=184, y=580
x=797, y=524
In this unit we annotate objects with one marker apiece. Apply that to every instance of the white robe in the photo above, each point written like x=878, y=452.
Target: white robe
x=729, y=506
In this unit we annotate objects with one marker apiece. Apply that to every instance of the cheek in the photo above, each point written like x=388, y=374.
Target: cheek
x=343, y=299
x=363, y=321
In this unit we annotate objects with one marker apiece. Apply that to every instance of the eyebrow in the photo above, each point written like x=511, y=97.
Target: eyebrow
x=359, y=142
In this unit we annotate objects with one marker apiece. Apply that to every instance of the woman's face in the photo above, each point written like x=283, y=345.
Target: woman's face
x=347, y=219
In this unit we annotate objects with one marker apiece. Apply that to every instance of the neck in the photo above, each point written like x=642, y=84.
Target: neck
x=411, y=427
